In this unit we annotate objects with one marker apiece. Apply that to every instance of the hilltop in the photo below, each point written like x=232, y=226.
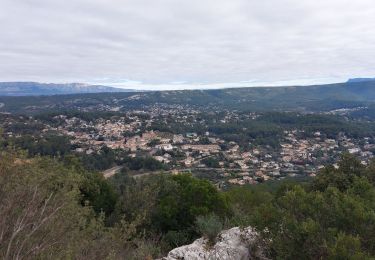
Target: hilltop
x=292, y=98
x=35, y=88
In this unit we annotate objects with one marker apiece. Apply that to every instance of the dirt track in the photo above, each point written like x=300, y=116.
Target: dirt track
x=112, y=171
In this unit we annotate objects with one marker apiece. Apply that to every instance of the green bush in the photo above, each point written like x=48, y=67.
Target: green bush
x=187, y=198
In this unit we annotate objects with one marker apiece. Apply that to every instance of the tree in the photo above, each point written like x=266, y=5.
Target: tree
x=331, y=218
x=170, y=204
x=98, y=193
x=41, y=216
x=211, y=162
x=153, y=142
x=341, y=178
x=189, y=198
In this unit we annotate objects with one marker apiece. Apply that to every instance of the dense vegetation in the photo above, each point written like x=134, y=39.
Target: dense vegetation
x=54, y=208
x=330, y=218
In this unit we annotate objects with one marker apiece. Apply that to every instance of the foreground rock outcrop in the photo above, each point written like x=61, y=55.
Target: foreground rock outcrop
x=234, y=243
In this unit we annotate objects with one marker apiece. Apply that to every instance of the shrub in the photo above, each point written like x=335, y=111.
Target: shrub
x=209, y=227
x=176, y=238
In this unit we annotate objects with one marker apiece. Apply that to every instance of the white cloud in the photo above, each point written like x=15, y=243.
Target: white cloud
x=175, y=43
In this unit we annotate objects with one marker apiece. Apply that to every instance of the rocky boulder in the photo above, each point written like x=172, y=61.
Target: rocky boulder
x=234, y=243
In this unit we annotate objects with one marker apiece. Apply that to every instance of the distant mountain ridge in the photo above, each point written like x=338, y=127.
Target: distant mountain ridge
x=48, y=89
x=298, y=98
x=356, y=80
x=36, y=89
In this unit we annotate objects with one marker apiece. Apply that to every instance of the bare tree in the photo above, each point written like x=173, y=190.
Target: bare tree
x=33, y=216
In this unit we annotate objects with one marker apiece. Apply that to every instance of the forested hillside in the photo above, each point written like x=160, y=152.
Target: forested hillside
x=299, y=98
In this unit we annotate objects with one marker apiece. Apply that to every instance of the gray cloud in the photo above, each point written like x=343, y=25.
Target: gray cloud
x=212, y=43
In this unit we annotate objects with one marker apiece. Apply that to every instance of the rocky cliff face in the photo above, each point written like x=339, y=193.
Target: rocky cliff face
x=235, y=243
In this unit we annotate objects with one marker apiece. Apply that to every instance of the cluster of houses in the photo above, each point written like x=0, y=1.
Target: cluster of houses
x=296, y=155
x=226, y=161
x=300, y=156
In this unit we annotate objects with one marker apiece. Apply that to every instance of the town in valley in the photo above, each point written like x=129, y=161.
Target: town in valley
x=227, y=146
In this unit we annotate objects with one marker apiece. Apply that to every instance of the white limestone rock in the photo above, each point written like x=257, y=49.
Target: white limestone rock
x=234, y=243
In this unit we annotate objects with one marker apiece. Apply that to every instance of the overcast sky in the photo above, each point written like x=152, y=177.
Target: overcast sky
x=187, y=43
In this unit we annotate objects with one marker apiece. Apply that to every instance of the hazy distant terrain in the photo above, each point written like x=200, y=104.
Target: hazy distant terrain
x=302, y=98
x=34, y=88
